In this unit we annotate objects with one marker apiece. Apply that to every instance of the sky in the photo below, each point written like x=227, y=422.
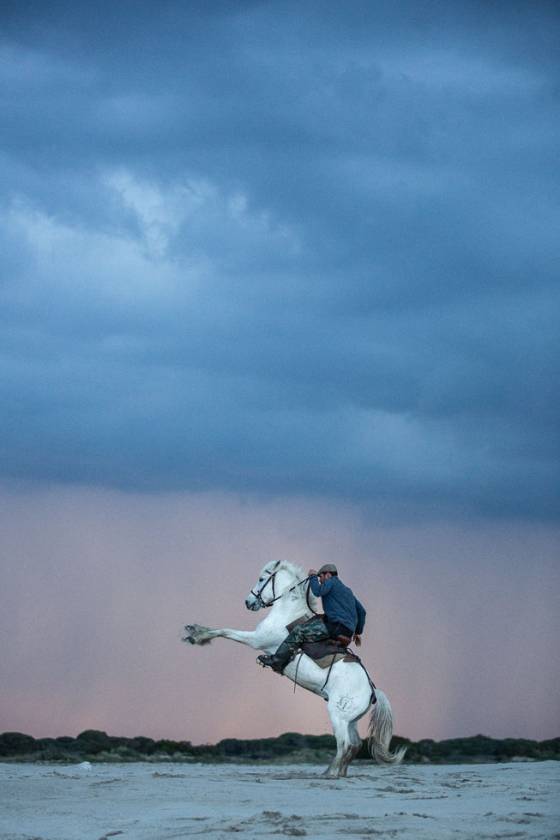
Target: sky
x=278, y=281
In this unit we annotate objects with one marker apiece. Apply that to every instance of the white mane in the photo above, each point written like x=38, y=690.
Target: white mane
x=294, y=570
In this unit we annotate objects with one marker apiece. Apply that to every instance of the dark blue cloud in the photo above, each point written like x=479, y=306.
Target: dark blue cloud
x=268, y=249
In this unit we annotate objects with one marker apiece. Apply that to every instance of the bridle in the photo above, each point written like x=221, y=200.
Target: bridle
x=258, y=595
x=271, y=578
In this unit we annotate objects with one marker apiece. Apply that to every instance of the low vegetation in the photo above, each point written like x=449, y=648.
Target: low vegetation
x=93, y=745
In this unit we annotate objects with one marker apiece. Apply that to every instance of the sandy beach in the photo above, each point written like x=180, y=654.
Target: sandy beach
x=152, y=801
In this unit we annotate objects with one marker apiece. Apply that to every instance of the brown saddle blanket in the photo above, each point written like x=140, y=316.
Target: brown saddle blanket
x=328, y=651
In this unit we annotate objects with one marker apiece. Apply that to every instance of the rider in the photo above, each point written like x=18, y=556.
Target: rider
x=343, y=620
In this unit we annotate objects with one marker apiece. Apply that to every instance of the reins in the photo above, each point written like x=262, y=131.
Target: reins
x=307, y=601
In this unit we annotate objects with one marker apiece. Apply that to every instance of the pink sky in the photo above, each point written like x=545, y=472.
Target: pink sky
x=462, y=631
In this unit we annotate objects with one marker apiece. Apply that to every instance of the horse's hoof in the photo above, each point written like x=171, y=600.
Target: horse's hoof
x=188, y=635
x=196, y=635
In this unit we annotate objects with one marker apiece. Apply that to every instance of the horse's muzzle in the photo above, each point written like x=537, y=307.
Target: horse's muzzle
x=251, y=604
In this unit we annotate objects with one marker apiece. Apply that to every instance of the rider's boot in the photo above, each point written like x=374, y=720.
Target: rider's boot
x=277, y=661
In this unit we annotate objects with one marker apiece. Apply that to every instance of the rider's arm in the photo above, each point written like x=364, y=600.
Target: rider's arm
x=318, y=589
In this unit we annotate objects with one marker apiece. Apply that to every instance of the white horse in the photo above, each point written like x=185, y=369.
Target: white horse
x=348, y=690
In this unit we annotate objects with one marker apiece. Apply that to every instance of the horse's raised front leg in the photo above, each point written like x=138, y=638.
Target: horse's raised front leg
x=195, y=634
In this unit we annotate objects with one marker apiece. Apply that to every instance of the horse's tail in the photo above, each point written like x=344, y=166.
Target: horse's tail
x=380, y=732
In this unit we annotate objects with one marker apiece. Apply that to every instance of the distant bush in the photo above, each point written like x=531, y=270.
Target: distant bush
x=93, y=741
x=16, y=743
x=142, y=745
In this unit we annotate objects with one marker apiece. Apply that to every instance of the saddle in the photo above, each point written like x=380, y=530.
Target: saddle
x=326, y=651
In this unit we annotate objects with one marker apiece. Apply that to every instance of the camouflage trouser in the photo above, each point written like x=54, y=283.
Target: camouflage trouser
x=309, y=631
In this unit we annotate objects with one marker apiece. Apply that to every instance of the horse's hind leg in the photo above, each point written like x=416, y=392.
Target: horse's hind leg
x=354, y=748
x=355, y=741
x=344, y=745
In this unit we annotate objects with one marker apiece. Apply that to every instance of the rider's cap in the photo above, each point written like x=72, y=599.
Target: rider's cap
x=328, y=567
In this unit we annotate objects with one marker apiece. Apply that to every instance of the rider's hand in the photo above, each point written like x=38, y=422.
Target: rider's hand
x=311, y=572
x=358, y=640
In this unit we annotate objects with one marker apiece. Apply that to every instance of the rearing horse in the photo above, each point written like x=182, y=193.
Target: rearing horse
x=282, y=587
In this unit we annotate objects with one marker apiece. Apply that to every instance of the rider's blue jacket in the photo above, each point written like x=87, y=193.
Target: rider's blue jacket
x=339, y=603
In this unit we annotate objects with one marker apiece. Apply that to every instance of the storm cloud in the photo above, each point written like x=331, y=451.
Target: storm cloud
x=283, y=249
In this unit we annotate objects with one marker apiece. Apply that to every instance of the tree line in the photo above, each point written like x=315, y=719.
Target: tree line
x=95, y=745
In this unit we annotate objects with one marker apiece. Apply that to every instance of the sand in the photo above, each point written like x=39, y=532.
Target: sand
x=152, y=801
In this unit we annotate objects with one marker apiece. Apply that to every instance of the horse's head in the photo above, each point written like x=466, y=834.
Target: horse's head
x=275, y=578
